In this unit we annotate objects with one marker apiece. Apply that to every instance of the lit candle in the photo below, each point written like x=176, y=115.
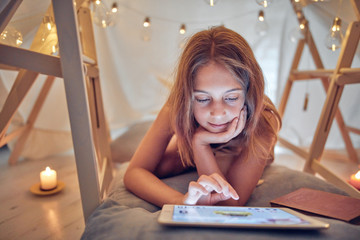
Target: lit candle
x=48, y=179
x=355, y=180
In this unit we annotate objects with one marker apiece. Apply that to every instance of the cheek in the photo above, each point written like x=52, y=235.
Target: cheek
x=199, y=113
x=236, y=109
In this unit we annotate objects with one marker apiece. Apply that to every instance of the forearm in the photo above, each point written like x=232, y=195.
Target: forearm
x=203, y=156
x=205, y=160
x=147, y=186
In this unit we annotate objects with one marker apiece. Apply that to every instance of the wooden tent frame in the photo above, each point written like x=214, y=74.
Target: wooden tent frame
x=333, y=81
x=90, y=133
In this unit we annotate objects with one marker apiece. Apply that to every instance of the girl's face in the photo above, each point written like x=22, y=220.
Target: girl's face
x=218, y=97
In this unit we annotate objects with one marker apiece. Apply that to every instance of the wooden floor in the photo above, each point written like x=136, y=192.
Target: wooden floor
x=27, y=216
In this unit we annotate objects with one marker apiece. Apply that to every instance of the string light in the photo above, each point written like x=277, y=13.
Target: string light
x=303, y=24
x=147, y=22
x=11, y=36
x=261, y=26
x=54, y=49
x=114, y=8
x=146, y=30
x=213, y=2
x=334, y=39
x=48, y=25
x=296, y=34
x=299, y=14
x=182, y=30
x=297, y=4
x=102, y=16
x=47, y=20
x=264, y=3
x=261, y=16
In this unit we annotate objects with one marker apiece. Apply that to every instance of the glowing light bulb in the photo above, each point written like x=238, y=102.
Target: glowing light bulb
x=264, y=3
x=19, y=42
x=261, y=26
x=101, y=15
x=334, y=39
x=299, y=14
x=146, y=31
x=296, y=34
x=182, y=30
x=211, y=3
x=114, y=8
x=48, y=26
x=11, y=36
x=261, y=16
x=147, y=22
x=303, y=26
x=55, y=49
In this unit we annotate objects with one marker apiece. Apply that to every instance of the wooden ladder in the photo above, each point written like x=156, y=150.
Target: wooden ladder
x=333, y=81
x=77, y=65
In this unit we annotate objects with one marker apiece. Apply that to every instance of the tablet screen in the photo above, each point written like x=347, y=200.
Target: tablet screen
x=235, y=215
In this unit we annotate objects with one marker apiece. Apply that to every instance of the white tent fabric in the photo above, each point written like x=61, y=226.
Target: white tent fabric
x=136, y=74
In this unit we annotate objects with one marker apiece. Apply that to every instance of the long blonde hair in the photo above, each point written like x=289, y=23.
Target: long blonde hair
x=228, y=48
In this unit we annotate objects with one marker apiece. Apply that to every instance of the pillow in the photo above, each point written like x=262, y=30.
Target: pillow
x=124, y=216
x=278, y=180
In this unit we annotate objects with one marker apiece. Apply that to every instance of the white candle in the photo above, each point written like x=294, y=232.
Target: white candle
x=355, y=180
x=48, y=179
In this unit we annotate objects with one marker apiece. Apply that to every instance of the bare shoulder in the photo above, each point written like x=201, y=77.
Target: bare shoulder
x=152, y=147
x=162, y=122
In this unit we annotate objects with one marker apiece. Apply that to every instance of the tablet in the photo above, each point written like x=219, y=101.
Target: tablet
x=238, y=217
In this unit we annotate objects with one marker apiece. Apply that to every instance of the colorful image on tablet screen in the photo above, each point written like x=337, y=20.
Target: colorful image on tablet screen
x=245, y=215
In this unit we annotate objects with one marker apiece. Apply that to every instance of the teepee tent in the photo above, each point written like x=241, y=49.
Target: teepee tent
x=137, y=64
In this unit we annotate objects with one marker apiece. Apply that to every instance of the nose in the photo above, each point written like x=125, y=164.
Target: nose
x=217, y=110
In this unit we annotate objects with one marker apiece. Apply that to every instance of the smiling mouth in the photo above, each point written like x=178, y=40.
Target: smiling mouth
x=218, y=126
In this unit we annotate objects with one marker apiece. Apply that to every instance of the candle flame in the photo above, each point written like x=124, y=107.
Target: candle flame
x=357, y=175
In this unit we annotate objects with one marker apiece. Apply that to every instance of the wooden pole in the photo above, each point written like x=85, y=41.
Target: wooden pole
x=77, y=101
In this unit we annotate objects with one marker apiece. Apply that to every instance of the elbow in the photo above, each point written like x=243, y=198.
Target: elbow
x=127, y=179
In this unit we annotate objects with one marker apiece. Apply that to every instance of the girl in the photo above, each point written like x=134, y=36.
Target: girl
x=217, y=120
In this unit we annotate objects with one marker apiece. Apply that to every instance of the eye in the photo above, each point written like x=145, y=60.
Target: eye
x=231, y=99
x=202, y=100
